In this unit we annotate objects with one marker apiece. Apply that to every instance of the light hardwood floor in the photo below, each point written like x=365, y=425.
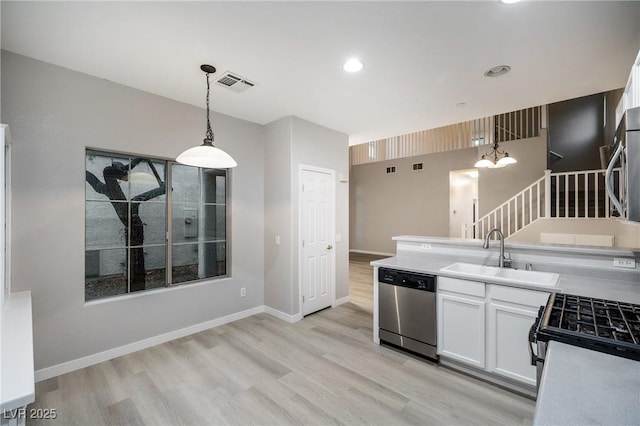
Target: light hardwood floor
x=260, y=370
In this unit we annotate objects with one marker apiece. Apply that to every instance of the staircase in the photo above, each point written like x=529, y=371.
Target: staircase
x=566, y=195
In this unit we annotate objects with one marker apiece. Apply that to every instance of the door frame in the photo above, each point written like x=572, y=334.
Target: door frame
x=332, y=229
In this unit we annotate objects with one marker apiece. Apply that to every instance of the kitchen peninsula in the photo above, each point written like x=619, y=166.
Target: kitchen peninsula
x=484, y=319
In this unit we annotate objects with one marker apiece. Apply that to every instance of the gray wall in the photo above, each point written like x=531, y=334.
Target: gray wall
x=417, y=202
x=495, y=186
x=407, y=202
x=290, y=142
x=314, y=145
x=54, y=113
x=277, y=216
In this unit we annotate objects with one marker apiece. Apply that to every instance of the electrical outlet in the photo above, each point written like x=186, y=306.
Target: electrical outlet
x=243, y=292
x=425, y=246
x=624, y=263
x=277, y=240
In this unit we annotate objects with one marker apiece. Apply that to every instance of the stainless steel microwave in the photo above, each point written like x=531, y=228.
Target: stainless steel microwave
x=625, y=196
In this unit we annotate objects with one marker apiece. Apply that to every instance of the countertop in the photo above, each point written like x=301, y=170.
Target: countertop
x=584, y=387
x=623, y=291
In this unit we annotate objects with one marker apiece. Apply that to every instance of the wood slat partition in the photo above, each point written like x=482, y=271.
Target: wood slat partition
x=513, y=125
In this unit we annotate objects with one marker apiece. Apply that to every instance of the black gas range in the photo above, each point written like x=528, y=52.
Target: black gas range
x=597, y=324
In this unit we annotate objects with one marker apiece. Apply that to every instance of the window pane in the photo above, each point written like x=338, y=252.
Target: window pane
x=144, y=183
x=103, y=226
x=215, y=185
x=186, y=184
x=104, y=177
x=198, y=261
x=215, y=225
x=105, y=273
x=148, y=223
x=148, y=267
x=188, y=226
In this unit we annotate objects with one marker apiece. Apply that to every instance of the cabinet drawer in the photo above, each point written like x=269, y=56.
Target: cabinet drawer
x=455, y=285
x=520, y=296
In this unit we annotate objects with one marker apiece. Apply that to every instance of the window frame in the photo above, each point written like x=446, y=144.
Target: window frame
x=168, y=240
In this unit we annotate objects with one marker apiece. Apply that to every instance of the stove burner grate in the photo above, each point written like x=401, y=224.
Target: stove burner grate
x=596, y=317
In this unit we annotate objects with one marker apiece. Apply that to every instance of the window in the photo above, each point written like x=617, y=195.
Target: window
x=138, y=236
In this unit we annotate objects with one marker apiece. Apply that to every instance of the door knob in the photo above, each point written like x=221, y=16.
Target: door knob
x=329, y=247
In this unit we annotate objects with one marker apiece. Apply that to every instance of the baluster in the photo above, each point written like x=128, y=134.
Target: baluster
x=607, y=209
x=522, y=209
x=595, y=184
x=531, y=205
x=502, y=216
x=586, y=195
x=508, y=216
x=576, y=201
x=566, y=195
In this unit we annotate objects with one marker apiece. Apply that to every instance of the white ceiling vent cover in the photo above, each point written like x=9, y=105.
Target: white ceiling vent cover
x=234, y=82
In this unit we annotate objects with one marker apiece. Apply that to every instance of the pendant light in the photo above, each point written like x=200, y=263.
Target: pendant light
x=207, y=155
x=495, y=159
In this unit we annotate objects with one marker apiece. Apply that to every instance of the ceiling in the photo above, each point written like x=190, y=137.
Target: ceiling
x=421, y=59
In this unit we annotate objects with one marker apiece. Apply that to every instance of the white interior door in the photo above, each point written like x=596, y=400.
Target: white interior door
x=317, y=231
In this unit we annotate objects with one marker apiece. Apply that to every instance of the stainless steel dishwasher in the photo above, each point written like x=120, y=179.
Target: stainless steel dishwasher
x=407, y=310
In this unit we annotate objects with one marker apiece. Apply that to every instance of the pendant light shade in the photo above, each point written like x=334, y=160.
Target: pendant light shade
x=495, y=159
x=207, y=155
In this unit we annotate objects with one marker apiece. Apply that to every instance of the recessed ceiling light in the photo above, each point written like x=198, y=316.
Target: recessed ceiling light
x=461, y=104
x=508, y=1
x=497, y=71
x=353, y=65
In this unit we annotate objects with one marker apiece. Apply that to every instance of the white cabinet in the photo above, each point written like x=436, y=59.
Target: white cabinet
x=461, y=320
x=487, y=326
x=510, y=314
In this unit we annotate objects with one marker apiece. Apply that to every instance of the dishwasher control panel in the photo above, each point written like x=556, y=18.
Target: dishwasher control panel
x=407, y=279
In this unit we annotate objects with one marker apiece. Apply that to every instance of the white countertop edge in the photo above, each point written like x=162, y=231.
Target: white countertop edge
x=18, y=381
x=539, y=247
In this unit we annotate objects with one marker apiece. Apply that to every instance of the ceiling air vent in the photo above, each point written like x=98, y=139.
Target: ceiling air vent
x=417, y=166
x=391, y=169
x=234, y=82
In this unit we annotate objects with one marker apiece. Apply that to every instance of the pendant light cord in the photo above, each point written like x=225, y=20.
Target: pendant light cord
x=209, y=135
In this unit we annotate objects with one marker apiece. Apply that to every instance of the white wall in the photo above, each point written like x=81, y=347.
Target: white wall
x=290, y=142
x=54, y=114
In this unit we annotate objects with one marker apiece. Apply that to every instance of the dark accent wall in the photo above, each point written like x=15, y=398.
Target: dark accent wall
x=577, y=130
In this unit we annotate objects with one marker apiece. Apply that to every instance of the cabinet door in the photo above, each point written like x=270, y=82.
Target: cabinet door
x=507, y=340
x=461, y=328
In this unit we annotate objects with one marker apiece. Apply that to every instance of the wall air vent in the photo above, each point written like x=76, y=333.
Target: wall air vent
x=417, y=167
x=391, y=169
x=234, y=82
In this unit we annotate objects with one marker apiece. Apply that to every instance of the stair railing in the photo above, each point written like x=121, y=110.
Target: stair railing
x=560, y=195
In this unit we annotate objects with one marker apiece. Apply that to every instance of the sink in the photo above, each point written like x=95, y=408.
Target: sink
x=506, y=275
x=471, y=269
x=547, y=279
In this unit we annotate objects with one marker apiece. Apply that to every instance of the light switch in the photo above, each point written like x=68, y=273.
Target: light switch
x=277, y=240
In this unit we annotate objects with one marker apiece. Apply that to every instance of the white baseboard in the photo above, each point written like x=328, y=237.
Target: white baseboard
x=378, y=253
x=76, y=364
x=281, y=315
x=342, y=301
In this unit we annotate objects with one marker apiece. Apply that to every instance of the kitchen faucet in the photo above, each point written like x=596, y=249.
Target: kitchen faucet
x=502, y=261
